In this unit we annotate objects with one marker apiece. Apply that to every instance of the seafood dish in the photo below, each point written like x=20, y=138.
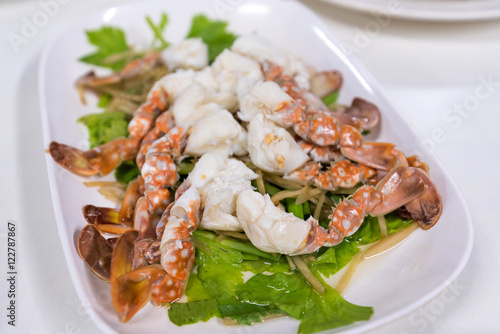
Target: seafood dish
x=244, y=176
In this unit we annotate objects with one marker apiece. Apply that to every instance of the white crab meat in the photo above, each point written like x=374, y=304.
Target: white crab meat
x=220, y=196
x=217, y=132
x=220, y=180
x=245, y=85
x=224, y=99
x=174, y=83
x=264, y=98
x=268, y=227
x=260, y=49
x=211, y=164
x=272, y=148
x=191, y=53
x=300, y=71
x=228, y=69
x=193, y=104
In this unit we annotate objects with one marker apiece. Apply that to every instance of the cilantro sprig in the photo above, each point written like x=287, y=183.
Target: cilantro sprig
x=109, y=41
x=213, y=34
x=159, y=42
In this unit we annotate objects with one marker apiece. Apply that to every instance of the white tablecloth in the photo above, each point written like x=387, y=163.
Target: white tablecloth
x=430, y=71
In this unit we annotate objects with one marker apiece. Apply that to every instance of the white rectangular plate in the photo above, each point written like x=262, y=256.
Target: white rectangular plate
x=394, y=283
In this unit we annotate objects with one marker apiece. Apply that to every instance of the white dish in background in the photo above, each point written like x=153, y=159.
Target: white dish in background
x=428, y=10
x=394, y=283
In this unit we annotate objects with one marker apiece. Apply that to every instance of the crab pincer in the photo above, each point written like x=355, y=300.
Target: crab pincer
x=95, y=251
x=130, y=290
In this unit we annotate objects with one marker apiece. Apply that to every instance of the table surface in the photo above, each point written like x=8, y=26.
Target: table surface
x=430, y=71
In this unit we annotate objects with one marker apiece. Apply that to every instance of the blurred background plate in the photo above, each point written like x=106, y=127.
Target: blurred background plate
x=432, y=10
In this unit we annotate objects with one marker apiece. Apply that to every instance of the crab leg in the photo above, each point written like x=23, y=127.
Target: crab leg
x=316, y=153
x=327, y=129
x=177, y=250
x=133, y=69
x=164, y=123
x=361, y=114
x=133, y=282
x=159, y=173
x=402, y=186
x=321, y=131
x=105, y=158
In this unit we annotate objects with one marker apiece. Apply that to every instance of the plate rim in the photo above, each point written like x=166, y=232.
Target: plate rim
x=352, y=59
x=415, y=11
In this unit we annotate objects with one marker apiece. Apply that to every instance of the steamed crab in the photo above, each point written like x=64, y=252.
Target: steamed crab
x=254, y=101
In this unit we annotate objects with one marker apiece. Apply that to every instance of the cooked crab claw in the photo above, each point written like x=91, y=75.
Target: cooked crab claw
x=427, y=208
x=104, y=219
x=100, y=160
x=72, y=159
x=414, y=161
x=398, y=188
x=325, y=83
x=361, y=113
x=127, y=210
x=133, y=69
x=375, y=155
x=130, y=290
x=95, y=251
x=99, y=215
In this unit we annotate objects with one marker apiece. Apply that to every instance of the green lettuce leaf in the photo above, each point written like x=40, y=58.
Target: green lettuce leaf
x=335, y=258
x=217, y=251
x=109, y=41
x=106, y=126
x=192, y=312
x=195, y=290
x=247, y=314
x=213, y=34
x=127, y=171
x=368, y=232
x=329, y=311
x=259, y=266
x=219, y=279
x=395, y=223
x=288, y=292
x=330, y=98
x=292, y=294
x=214, y=262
